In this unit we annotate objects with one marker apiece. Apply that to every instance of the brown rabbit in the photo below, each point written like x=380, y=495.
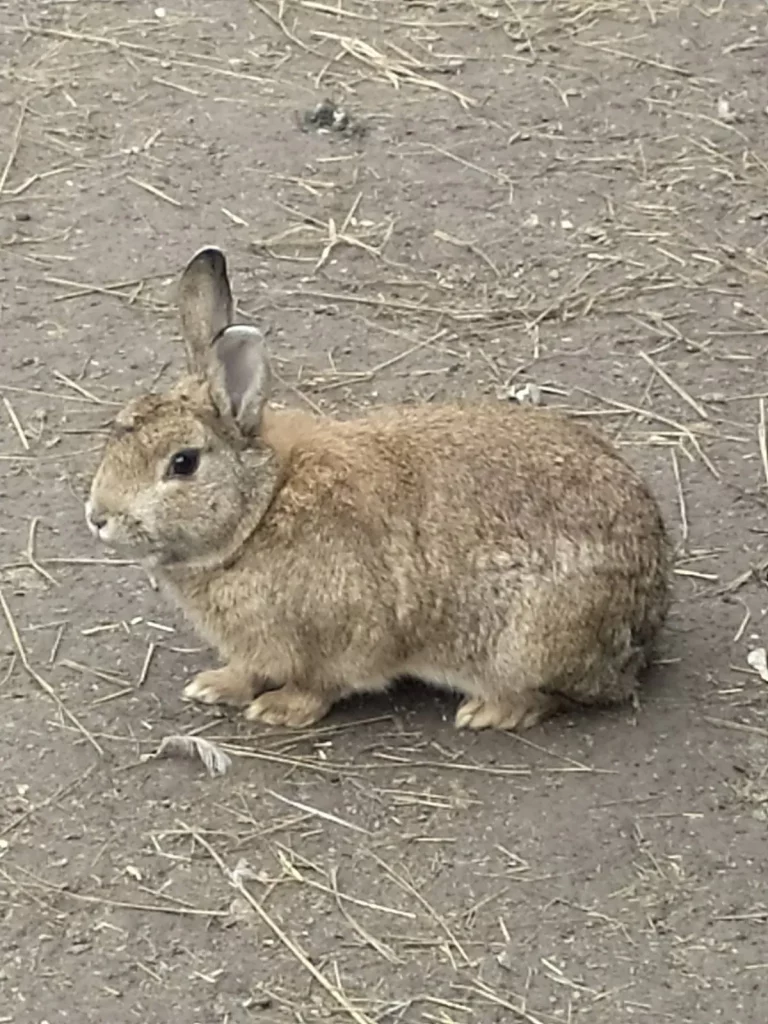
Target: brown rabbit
x=506, y=553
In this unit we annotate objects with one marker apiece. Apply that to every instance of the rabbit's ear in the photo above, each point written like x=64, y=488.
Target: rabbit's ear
x=205, y=304
x=239, y=376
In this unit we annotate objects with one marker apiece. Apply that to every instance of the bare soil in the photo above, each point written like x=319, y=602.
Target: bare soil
x=566, y=193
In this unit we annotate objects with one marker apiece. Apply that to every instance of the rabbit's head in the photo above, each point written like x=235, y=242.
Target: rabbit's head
x=185, y=474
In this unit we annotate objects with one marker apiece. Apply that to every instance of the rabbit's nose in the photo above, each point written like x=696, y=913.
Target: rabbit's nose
x=95, y=518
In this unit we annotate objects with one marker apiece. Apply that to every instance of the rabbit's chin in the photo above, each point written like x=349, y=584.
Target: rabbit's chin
x=138, y=550
x=163, y=558
x=166, y=560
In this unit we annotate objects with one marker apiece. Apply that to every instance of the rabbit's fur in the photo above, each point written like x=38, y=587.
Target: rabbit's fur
x=507, y=553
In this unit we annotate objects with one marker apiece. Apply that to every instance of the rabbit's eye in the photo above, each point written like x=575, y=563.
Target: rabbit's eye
x=184, y=463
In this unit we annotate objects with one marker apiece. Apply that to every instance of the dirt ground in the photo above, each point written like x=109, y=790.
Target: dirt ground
x=565, y=193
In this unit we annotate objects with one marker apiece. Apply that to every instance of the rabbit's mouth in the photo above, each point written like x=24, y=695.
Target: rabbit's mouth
x=116, y=532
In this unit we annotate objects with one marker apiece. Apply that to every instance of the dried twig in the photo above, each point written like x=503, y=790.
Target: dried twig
x=318, y=813
x=153, y=190
x=16, y=424
x=680, y=498
x=755, y=730
x=414, y=892
x=15, y=141
x=677, y=388
x=761, y=438
x=237, y=880
x=44, y=685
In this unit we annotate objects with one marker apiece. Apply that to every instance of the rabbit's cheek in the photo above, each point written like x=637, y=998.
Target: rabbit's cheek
x=145, y=515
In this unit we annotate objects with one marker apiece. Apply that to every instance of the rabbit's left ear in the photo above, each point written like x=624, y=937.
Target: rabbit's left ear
x=205, y=304
x=239, y=376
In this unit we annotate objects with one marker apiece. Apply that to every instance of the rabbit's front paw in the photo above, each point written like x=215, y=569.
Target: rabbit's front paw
x=288, y=706
x=221, y=686
x=522, y=711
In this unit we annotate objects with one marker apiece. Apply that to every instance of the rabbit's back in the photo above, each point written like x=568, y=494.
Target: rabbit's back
x=471, y=475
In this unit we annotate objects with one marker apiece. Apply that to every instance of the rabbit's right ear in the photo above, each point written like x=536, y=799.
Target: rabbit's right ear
x=205, y=304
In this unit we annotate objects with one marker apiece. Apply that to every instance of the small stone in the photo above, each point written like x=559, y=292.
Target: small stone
x=724, y=111
x=528, y=394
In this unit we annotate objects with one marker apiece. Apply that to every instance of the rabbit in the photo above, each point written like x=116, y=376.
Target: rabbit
x=507, y=553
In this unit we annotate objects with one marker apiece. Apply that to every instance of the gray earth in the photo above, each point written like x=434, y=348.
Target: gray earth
x=568, y=194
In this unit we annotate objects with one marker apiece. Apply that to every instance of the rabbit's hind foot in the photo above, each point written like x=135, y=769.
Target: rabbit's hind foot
x=513, y=714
